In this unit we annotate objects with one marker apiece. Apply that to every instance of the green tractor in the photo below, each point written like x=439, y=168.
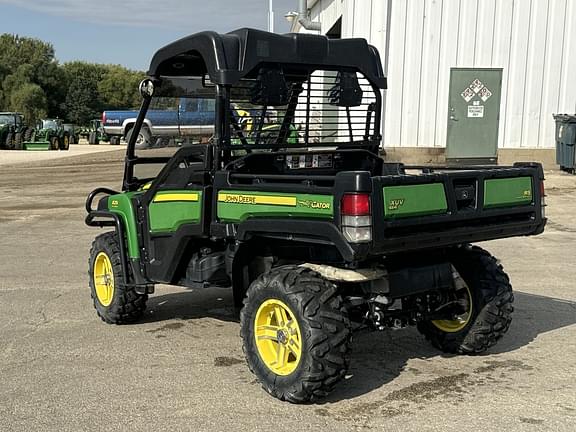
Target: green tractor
x=313, y=231
x=13, y=131
x=95, y=133
x=49, y=135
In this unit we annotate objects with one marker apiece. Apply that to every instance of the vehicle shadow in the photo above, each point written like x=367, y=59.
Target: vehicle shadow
x=192, y=304
x=377, y=357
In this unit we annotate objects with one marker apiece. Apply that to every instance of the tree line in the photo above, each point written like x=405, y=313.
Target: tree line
x=33, y=82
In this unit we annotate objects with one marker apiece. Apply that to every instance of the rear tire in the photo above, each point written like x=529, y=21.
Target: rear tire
x=28, y=134
x=18, y=141
x=315, y=309
x=116, y=303
x=9, y=144
x=65, y=143
x=491, y=305
x=54, y=143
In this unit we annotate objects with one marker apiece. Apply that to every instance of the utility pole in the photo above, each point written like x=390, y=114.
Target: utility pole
x=271, y=16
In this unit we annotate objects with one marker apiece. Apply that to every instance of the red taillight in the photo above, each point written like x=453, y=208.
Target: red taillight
x=355, y=205
x=103, y=118
x=542, y=199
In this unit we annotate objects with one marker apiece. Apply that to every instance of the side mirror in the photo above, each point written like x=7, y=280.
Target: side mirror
x=147, y=88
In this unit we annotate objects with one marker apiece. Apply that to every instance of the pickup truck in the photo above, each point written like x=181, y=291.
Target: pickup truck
x=185, y=117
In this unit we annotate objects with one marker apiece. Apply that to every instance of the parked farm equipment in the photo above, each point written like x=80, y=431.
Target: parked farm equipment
x=13, y=131
x=95, y=134
x=73, y=132
x=49, y=135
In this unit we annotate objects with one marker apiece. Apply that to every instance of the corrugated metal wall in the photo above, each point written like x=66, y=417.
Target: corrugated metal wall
x=534, y=41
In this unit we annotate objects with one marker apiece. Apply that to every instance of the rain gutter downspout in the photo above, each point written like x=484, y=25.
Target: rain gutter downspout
x=303, y=19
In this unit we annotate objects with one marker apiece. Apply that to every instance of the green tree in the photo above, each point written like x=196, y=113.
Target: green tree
x=77, y=91
x=118, y=88
x=82, y=102
x=28, y=61
x=30, y=100
x=16, y=50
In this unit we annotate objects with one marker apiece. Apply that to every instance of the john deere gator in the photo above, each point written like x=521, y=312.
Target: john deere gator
x=315, y=233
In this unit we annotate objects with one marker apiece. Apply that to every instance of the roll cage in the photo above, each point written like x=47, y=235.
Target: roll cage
x=272, y=93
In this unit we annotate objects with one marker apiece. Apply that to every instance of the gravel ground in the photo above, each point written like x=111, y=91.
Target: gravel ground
x=182, y=368
x=17, y=157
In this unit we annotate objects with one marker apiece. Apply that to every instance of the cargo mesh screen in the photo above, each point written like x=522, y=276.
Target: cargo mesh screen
x=283, y=109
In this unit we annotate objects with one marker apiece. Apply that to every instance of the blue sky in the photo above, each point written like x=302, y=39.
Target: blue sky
x=128, y=32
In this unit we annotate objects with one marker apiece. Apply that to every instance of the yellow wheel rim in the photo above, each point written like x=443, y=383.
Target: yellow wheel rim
x=103, y=279
x=461, y=321
x=278, y=337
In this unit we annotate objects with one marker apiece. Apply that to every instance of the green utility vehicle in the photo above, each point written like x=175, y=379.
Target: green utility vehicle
x=315, y=233
x=13, y=131
x=49, y=135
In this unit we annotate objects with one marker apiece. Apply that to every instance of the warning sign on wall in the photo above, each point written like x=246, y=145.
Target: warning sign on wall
x=484, y=93
x=467, y=94
x=476, y=85
x=476, y=88
x=476, y=111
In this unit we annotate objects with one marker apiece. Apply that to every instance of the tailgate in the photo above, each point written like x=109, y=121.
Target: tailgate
x=444, y=206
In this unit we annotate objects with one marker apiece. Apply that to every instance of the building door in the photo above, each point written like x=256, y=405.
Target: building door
x=473, y=115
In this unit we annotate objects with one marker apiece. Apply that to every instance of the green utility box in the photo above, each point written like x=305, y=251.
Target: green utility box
x=565, y=141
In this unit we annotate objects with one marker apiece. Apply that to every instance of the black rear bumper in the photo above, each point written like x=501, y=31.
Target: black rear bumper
x=429, y=237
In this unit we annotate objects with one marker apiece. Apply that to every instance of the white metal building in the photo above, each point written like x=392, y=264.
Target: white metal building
x=533, y=41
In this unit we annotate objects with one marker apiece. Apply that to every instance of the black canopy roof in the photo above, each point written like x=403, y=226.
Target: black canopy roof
x=227, y=58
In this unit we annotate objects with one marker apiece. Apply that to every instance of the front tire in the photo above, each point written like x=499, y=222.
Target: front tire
x=489, y=313
x=114, y=301
x=144, y=139
x=54, y=143
x=296, y=333
x=93, y=138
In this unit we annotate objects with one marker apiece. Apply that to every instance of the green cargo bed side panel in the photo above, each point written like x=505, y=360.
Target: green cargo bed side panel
x=414, y=200
x=170, y=209
x=122, y=205
x=507, y=192
x=237, y=205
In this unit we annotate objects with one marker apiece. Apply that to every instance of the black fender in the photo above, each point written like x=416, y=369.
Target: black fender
x=252, y=235
x=308, y=231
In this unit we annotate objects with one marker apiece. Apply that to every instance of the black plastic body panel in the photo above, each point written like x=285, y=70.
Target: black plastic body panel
x=457, y=225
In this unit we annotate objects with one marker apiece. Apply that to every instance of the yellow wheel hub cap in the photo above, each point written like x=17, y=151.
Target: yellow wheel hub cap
x=461, y=321
x=278, y=337
x=103, y=279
